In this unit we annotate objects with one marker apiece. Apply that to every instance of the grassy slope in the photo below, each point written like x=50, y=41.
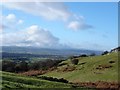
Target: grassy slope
x=83, y=73
x=88, y=72
x=11, y=80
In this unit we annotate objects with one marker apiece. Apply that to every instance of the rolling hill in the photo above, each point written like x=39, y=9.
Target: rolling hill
x=11, y=80
x=92, y=71
x=16, y=81
x=89, y=69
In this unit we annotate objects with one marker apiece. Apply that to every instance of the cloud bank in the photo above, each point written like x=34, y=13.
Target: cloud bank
x=31, y=36
x=51, y=11
x=35, y=35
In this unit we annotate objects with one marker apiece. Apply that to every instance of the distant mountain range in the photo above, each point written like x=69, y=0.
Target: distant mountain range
x=46, y=51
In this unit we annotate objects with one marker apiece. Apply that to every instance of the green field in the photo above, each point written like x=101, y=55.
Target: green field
x=86, y=70
x=11, y=80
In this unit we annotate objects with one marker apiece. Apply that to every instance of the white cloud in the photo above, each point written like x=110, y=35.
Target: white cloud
x=10, y=18
x=74, y=25
x=40, y=37
x=32, y=36
x=20, y=21
x=9, y=21
x=77, y=25
x=51, y=11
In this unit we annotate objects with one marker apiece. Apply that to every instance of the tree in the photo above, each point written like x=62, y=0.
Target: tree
x=21, y=66
x=105, y=52
x=83, y=55
x=8, y=65
x=74, y=61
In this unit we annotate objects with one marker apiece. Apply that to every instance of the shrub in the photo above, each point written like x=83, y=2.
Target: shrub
x=106, y=52
x=8, y=66
x=54, y=79
x=83, y=55
x=74, y=61
x=21, y=66
x=111, y=61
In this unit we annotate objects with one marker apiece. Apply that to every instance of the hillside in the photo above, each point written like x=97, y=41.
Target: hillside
x=89, y=69
x=90, y=72
x=11, y=80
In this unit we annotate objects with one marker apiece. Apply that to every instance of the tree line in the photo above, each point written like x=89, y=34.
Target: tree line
x=22, y=66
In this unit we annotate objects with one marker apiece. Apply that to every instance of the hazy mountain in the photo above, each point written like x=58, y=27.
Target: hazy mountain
x=47, y=51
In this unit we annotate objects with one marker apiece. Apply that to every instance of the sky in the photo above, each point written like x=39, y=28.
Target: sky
x=79, y=25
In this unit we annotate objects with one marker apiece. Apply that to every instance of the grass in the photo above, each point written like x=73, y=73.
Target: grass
x=87, y=72
x=11, y=80
x=14, y=81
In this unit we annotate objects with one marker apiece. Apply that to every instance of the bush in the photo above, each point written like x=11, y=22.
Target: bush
x=44, y=65
x=106, y=52
x=74, y=61
x=8, y=66
x=21, y=66
x=83, y=55
x=54, y=79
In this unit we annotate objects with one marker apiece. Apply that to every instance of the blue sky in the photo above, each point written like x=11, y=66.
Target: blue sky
x=87, y=25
